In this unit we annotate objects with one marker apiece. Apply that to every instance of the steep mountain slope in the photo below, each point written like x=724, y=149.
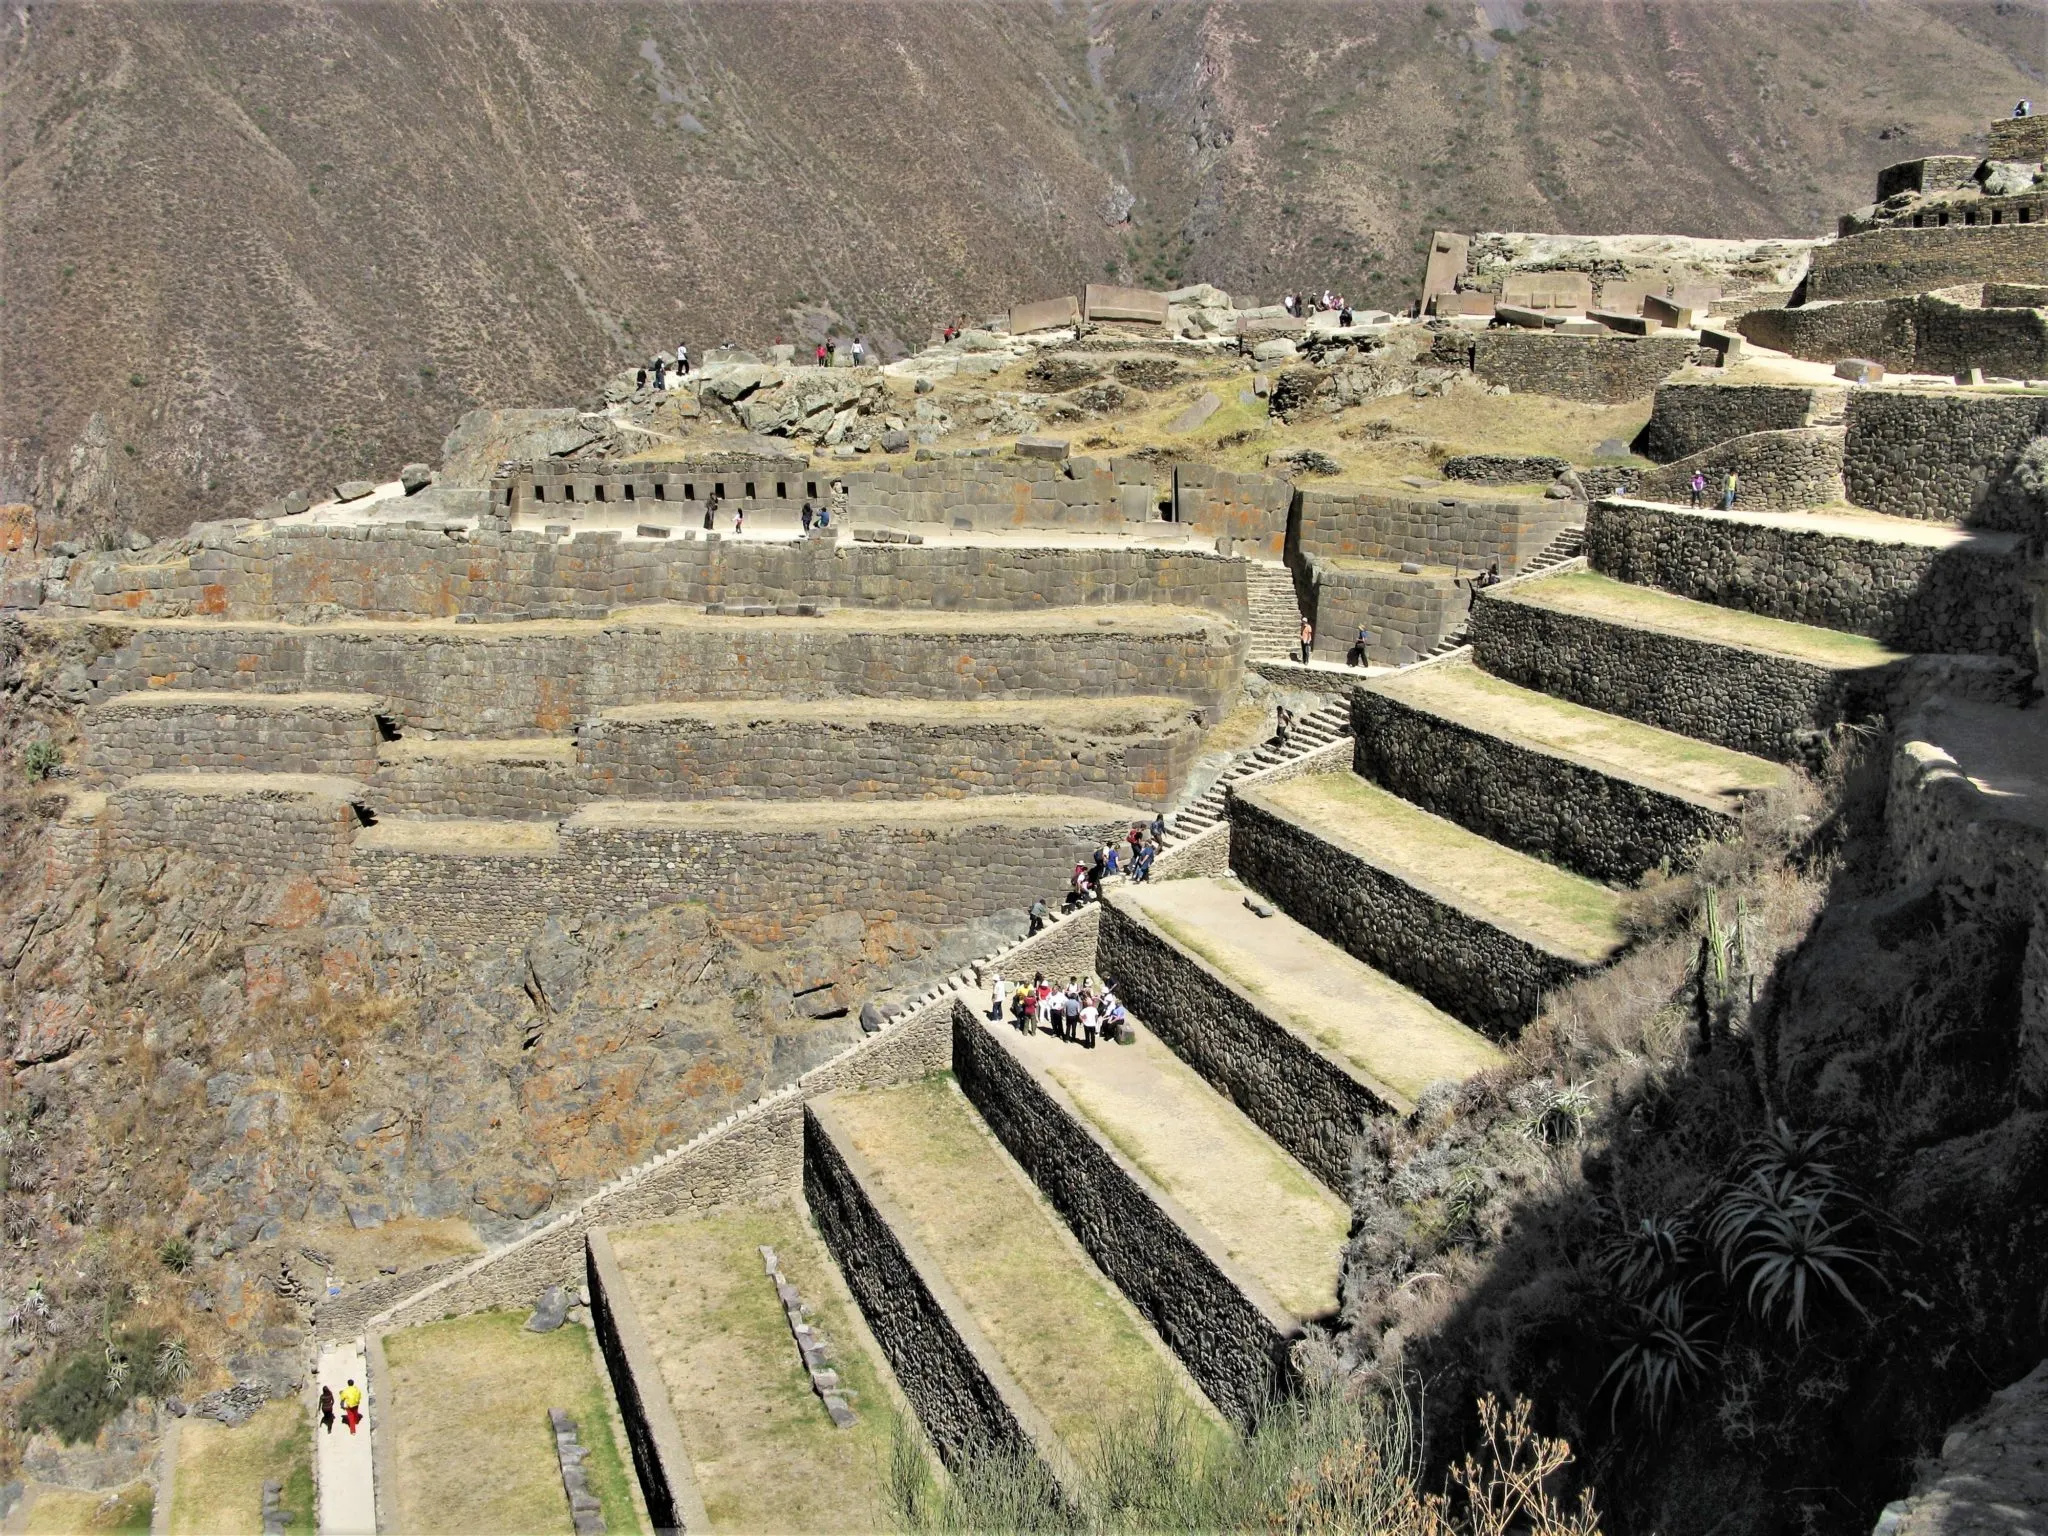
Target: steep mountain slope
x=247, y=246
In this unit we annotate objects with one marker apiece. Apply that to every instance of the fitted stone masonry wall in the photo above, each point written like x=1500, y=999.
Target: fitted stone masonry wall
x=1405, y=615
x=1305, y=1098
x=1601, y=370
x=1349, y=521
x=495, y=681
x=333, y=734
x=1249, y=510
x=536, y=779
x=1935, y=454
x=1230, y=1334
x=697, y=752
x=1601, y=825
x=313, y=571
x=268, y=825
x=1081, y=492
x=1922, y=334
x=1689, y=417
x=1888, y=263
x=767, y=873
x=1795, y=468
x=1971, y=598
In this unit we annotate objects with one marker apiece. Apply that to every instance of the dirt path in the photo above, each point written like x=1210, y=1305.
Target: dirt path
x=1399, y=1040
x=1271, y=1216
x=1457, y=690
x=348, y=1499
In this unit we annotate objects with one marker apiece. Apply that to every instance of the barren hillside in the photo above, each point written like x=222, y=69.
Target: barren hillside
x=254, y=246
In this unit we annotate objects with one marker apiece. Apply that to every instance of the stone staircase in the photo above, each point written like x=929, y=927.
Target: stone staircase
x=1274, y=610
x=1312, y=731
x=1567, y=546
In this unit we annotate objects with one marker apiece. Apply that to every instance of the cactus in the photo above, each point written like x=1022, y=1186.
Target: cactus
x=1724, y=980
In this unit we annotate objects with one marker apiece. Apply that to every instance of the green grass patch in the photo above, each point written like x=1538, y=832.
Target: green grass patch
x=218, y=1487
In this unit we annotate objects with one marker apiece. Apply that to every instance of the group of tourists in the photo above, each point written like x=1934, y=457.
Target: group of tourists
x=1730, y=487
x=1133, y=862
x=1331, y=303
x=661, y=367
x=827, y=354
x=1076, y=1013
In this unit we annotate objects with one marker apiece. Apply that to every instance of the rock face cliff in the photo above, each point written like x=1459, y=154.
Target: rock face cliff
x=254, y=248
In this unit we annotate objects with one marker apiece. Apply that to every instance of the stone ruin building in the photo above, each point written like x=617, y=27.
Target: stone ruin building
x=572, y=696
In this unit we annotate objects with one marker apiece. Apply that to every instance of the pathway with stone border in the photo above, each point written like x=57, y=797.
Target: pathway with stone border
x=341, y=1461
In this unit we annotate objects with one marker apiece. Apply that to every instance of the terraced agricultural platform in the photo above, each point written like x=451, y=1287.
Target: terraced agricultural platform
x=1477, y=928
x=763, y=1451
x=1269, y=1214
x=1048, y=1336
x=1595, y=792
x=1741, y=680
x=1399, y=1041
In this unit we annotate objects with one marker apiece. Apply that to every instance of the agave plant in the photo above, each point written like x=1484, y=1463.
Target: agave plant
x=1665, y=1351
x=1642, y=1258
x=1560, y=1114
x=173, y=1362
x=1781, y=1224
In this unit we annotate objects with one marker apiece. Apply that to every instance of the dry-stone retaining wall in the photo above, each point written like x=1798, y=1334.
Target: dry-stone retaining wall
x=297, y=572
x=1251, y=510
x=658, y=492
x=693, y=754
x=1230, y=1335
x=1602, y=370
x=1689, y=417
x=1753, y=701
x=1923, y=334
x=1889, y=263
x=1935, y=455
x=149, y=733
x=963, y=1396
x=1346, y=521
x=1912, y=597
x=1491, y=979
x=1605, y=827
x=269, y=828
x=660, y=1459
x=1405, y=615
x=766, y=882
x=494, y=681
x=535, y=779
x=1296, y=1092
x=1784, y=470
x=1082, y=492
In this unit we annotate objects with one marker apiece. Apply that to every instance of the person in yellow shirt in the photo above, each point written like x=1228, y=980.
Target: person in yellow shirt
x=352, y=1405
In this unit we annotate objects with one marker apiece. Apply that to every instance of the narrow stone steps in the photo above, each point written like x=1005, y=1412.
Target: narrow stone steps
x=1479, y=929
x=1594, y=792
x=1314, y=730
x=1567, y=546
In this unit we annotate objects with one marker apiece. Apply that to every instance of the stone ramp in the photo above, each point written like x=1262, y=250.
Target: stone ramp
x=1909, y=583
x=1477, y=928
x=1001, y=1329
x=1597, y=793
x=1268, y=1213
x=1396, y=1039
x=764, y=1453
x=1741, y=680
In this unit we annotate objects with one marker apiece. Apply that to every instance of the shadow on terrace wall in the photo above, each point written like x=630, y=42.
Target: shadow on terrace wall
x=1888, y=1016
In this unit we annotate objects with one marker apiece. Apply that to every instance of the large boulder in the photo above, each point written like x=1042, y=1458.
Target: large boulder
x=486, y=437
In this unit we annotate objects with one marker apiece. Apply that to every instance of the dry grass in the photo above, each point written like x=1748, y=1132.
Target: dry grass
x=218, y=1487
x=1596, y=596
x=764, y=1452
x=72, y=1512
x=467, y=1422
x=1072, y=1342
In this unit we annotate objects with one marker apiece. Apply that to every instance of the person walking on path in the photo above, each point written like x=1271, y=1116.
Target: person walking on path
x=327, y=1409
x=640, y=379
x=1728, y=491
x=1699, y=487
x=660, y=372
x=710, y=510
x=739, y=519
x=682, y=358
x=821, y=354
x=808, y=517
x=1158, y=828
x=1038, y=916
x=1359, y=645
x=860, y=352
x=995, y=995
x=352, y=1405
x=1308, y=640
